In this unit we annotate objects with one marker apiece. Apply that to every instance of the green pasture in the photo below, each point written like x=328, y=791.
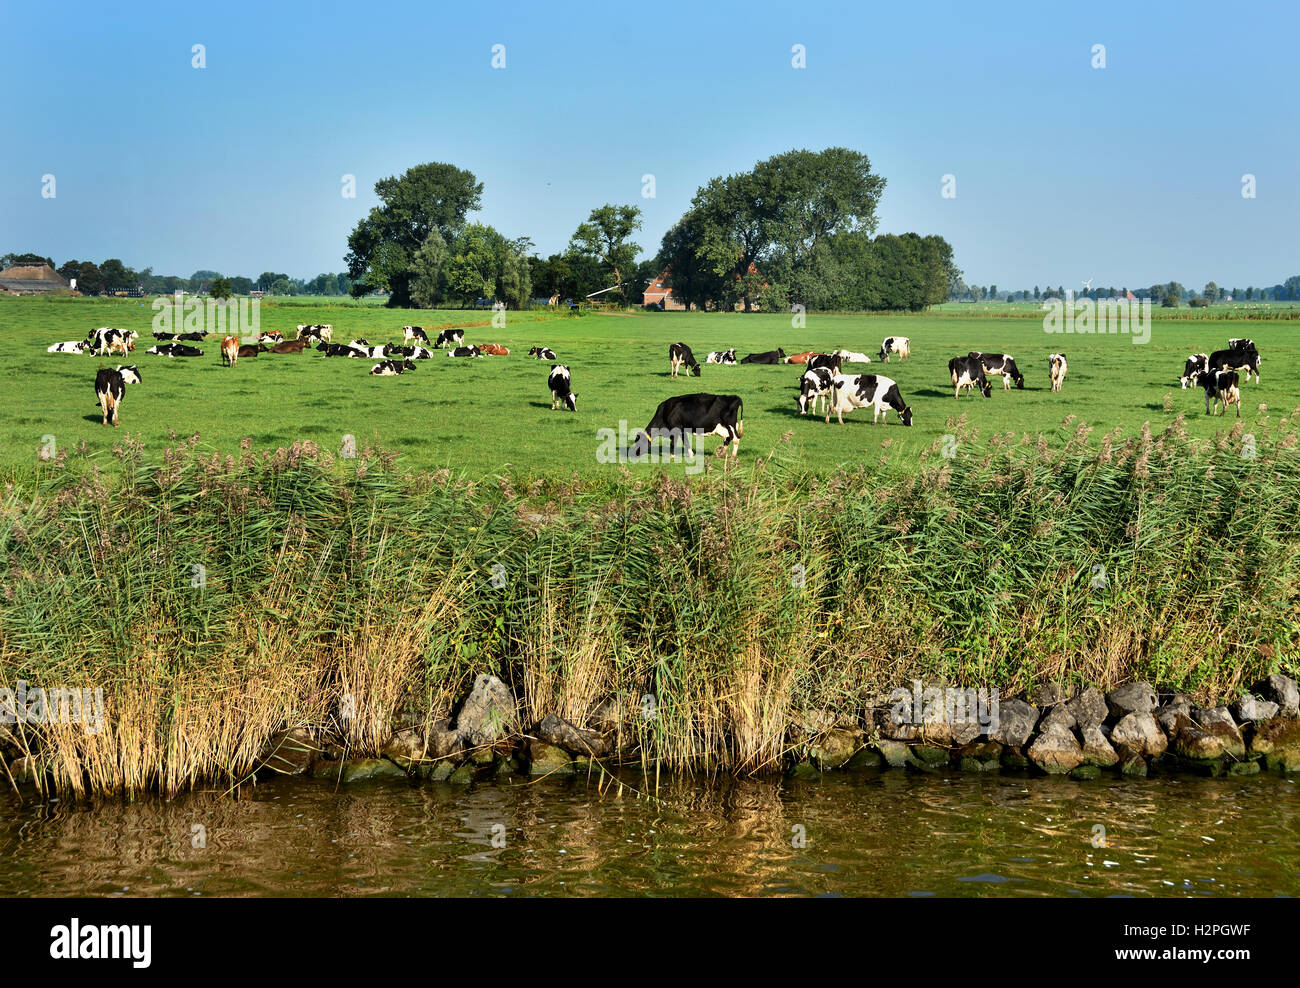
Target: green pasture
x=493, y=415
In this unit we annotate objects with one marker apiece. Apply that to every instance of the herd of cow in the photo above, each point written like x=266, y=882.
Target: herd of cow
x=823, y=380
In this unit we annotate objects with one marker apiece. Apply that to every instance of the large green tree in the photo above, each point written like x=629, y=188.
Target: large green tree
x=382, y=247
x=606, y=237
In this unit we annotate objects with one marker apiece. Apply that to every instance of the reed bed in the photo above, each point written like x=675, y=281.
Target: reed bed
x=217, y=600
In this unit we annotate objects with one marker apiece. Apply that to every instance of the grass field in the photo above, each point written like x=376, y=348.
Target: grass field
x=491, y=415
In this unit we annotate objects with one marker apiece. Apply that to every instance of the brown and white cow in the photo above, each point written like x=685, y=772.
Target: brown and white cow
x=229, y=351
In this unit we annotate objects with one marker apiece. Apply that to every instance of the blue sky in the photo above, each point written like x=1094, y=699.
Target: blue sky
x=1128, y=175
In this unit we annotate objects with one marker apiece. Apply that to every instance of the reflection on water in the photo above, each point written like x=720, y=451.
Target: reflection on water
x=886, y=834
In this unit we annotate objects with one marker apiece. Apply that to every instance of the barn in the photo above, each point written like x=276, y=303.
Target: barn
x=31, y=279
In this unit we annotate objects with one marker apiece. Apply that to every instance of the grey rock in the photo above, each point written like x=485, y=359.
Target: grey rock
x=1056, y=751
x=1251, y=708
x=1215, y=740
x=1171, y=715
x=1089, y=708
x=488, y=714
x=1096, y=749
x=1058, y=716
x=1204, y=716
x=1131, y=698
x=1046, y=695
x=1283, y=691
x=1136, y=735
x=1016, y=722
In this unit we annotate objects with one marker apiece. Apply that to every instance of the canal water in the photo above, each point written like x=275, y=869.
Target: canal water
x=851, y=835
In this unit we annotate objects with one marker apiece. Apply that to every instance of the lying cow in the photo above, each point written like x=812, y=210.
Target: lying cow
x=410, y=352
x=899, y=345
x=494, y=349
x=174, y=350
x=815, y=385
x=542, y=353
x=721, y=357
x=801, y=358
x=679, y=356
x=271, y=338
x=851, y=357
x=251, y=349
x=776, y=356
x=321, y=332
x=968, y=372
x=1221, y=387
x=874, y=391
x=75, y=346
x=1001, y=363
x=291, y=346
x=1196, y=365
x=448, y=337
x=1056, y=368
x=391, y=368
x=341, y=350
x=110, y=389
x=561, y=388
x=465, y=351
x=680, y=417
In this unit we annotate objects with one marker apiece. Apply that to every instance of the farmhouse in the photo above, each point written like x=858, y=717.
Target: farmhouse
x=31, y=279
x=660, y=296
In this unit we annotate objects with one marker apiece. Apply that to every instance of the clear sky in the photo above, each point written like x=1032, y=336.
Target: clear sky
x=1128, y=174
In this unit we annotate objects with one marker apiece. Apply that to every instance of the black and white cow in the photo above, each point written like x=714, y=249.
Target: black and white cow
x=106, y=340
x=1196, y=365
x=410, y=352
x=320, y=332
x=1221, y=386
x=874, y=391
x=76, y=346
x=110, y=389
x=1243, y=359
x=1241, y=344
x=815, y=385
x=341, y=350
x=683, y=416
x=373, y=352
x=1056, y=368
x=465, y=351
x=1001, y=363
x=449, y=337
x=390, y=368
x=271, y=337
x=414, y=334
x=900, y=345
x=968, y=372
x=542, y=353
x=721, y=357
x=776, y=356
x=679, y=356
x=830, y=361
x=852, y=357
x=174, y=350
x=562, y=392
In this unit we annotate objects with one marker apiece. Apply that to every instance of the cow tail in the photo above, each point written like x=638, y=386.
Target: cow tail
x=740, y=420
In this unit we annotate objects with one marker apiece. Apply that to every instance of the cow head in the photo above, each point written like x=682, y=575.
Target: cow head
x=695, y=367
x=906, y=415
x=986, y=389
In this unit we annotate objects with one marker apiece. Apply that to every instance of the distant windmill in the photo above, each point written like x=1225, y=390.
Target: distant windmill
x=1087, y=287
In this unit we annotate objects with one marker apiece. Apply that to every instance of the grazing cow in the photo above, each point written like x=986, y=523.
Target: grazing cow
x=271, y=338
x=1001, y=363
x=1221, y=386
x=561, y=391
x=815, y=385
x=874, y=391
x=1196, y=365
x=390, y=368
x=681, y=416
x=900, y=345
x=76, y=346
x=174, y=350
x=766, y=357
x=851, y=357
x=291, y=346
x=495, y=350
x=542, y=353
x=721, y=357
x=252, y=349
x=1056, y=368
x=679, y=355
x=831, y=361
x=448, y=337
x=1244, y=359
x=968, y=372
x=110, y=389
x=229, y=350
x=411, y=334
x=801, y=358
x=465, y=351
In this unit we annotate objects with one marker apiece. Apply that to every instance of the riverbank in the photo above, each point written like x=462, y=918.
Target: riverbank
x=738, y=623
